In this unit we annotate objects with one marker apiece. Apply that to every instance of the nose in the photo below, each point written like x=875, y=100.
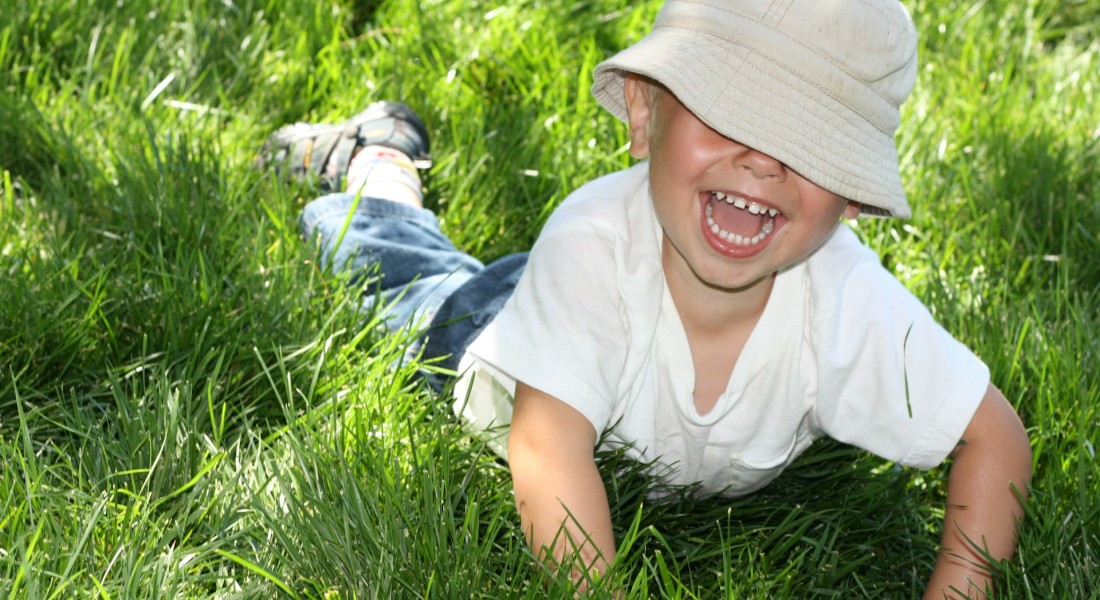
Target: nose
x=762, y=166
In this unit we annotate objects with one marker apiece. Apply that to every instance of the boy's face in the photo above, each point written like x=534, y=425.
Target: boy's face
x=732, y=216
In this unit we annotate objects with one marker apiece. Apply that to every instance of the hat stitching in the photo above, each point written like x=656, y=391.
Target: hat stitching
x=786, y=9
x=868, y=197
x=874, y=5
x=814, y=125
x=855, y=140
x=889, y=111
x=854, y=180
x=772, y=8
x=866, y=162
x=855, y=80
x=862, y=142
x=786, y=88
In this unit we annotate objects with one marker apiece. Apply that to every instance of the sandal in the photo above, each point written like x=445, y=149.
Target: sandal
x=324, y=150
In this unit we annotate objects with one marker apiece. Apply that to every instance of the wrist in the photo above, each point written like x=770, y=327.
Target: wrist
x=958, y=577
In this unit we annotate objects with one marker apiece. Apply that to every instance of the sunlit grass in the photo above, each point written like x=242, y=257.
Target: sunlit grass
x=190, y=407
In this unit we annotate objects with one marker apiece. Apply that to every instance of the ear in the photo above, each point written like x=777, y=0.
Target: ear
x=639, y=112
x=851, y=210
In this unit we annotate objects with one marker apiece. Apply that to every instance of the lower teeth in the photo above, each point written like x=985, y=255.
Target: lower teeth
x=736, y=238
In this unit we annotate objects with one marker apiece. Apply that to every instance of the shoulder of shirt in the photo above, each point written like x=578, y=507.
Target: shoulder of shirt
x=846, y=276
x=841, y=255
x=600, y=204
x=842, y=265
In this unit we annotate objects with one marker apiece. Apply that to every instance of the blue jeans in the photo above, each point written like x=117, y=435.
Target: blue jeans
x=424, y=281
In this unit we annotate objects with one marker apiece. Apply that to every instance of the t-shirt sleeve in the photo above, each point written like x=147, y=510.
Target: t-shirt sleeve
x=891, y=379
x=562, y=331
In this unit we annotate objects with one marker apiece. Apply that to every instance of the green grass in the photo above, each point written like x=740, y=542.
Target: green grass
x=191, y=408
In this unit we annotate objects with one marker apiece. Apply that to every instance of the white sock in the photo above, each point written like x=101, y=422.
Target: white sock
x=382, y=172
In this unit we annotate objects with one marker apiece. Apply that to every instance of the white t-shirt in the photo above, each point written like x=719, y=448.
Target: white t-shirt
x=842, y=349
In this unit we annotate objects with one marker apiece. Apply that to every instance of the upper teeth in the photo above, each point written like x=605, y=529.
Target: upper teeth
x=753, y=208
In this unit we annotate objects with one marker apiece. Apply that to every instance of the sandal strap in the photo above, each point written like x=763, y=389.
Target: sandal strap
x=310, y=155
x=339, y=159
x=325, y=150
x=393, y=125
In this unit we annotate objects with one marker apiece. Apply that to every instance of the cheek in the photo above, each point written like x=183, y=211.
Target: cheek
x=812, y=192
x=673, y=215
x=822, y=203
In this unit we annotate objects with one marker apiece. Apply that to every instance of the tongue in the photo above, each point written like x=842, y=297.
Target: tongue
x=737, y=220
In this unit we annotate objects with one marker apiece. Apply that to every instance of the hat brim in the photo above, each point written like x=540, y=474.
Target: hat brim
x=747, y=97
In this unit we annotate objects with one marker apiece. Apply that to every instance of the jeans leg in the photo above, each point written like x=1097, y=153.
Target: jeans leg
x=423, y=278
x=468, y=310
x=417, y=266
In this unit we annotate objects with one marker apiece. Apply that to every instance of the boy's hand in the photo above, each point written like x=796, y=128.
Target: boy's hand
x=561, y=499
x=992, y=463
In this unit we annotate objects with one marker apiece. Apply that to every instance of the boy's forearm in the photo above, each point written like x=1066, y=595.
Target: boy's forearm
x=566, y=518
x=977, y=523
x=559, y=493
x=989, y=477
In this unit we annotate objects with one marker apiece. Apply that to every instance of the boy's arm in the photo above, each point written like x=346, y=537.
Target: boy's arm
x=992, y=459
x=561, y=499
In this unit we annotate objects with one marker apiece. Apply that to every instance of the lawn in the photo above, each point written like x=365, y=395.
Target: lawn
x=190, y=407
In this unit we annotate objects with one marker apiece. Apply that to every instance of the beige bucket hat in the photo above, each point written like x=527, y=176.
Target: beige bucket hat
x=816, y=84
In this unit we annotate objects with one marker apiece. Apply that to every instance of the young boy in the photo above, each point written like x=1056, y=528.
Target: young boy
x=703, y=308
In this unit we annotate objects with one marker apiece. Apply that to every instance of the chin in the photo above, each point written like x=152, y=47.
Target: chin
x=733, y=282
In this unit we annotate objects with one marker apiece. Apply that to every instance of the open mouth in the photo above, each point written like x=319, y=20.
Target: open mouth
x=737, y=221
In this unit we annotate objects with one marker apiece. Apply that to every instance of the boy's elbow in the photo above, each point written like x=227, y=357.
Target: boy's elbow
x=997, y=433
x=522, y=447
x=1017, y=443
x=1018, y=454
